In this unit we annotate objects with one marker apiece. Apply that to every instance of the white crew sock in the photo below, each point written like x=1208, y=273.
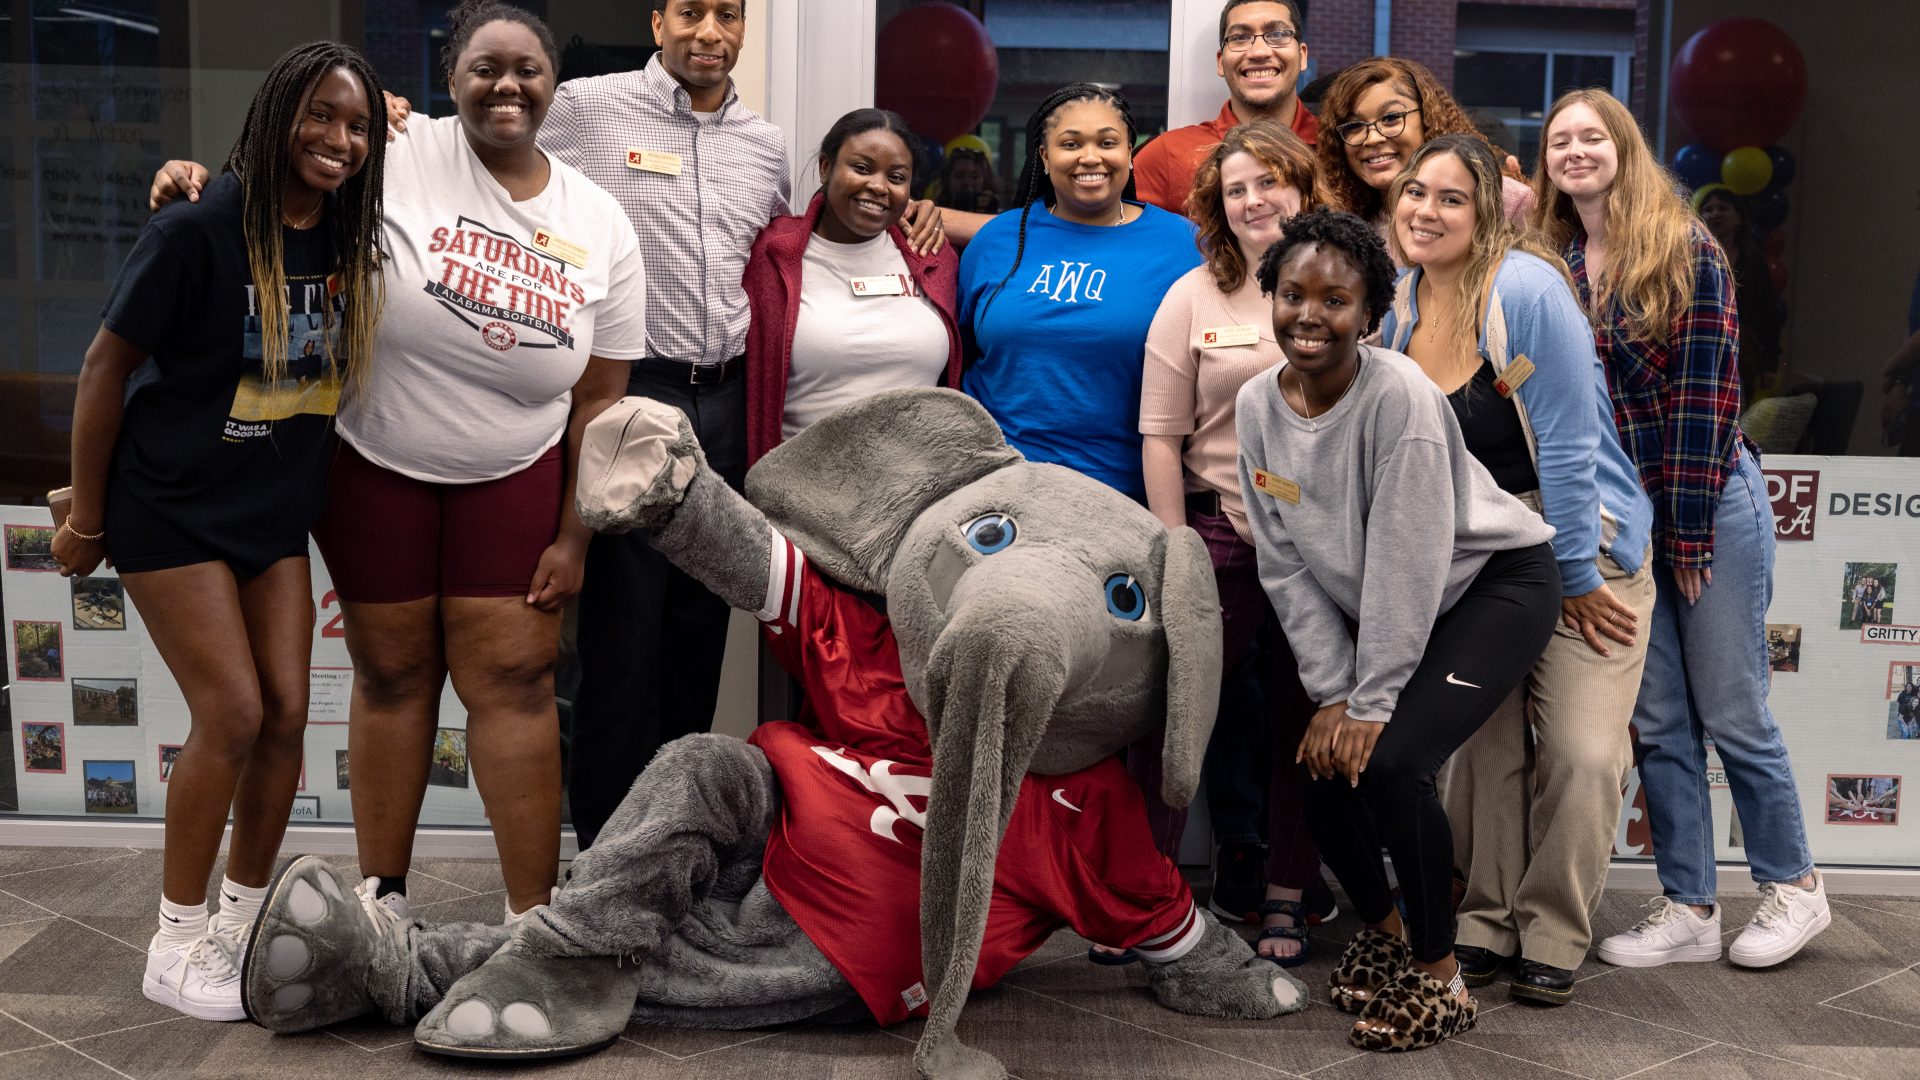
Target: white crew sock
x=240, y=901
x=180, y=923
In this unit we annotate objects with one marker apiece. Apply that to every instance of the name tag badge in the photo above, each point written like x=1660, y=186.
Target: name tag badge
x=1277, y=486
x=878, y=285
x=653, y=161
x=1517, y=372
x=562, y=249
x=1223, y=337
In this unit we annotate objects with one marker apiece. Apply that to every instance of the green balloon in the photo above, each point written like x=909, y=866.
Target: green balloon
x=1747, y=170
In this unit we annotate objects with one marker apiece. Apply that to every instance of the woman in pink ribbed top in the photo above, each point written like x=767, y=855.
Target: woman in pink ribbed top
x=1213, y=332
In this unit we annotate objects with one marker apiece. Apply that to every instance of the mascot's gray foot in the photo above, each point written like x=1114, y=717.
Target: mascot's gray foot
x=1221, y=976
x=314, y=948
x=947, y=1058
x=523, y=1005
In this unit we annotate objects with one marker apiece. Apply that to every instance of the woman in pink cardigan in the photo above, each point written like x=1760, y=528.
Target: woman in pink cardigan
x=841, y=307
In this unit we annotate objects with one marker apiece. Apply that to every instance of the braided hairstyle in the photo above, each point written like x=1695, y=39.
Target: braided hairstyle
x=1034, y=181
x=1339, y=231
x=260, y=160
x=468, y=16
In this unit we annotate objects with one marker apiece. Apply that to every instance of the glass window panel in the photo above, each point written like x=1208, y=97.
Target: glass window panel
x=1574, y=72
x=1500, y=80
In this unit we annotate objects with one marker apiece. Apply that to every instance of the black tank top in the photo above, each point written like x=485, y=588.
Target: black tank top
x=1491, y=427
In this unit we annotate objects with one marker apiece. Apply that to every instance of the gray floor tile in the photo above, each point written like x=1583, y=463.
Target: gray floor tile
x=680, y=1044
x=1575, y=1039
x=1877, y=1062
x=15, y=1036
x=15, y=910
x=27, y=860
x=1895, y=998
x=1451, y=1060
x=110, y=887
x=1721, y=1062
x=68, y=981
x=50, y=1062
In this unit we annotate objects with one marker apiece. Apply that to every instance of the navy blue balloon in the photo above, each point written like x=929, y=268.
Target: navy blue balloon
x=1783, y=167
x=1697, y=165
x=1769, y=209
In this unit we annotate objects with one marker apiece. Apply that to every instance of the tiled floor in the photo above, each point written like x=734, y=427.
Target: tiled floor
x=74, y=922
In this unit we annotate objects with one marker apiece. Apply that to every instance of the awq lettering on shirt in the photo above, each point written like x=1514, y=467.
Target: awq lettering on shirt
x=489, y=279
x=1069, y=282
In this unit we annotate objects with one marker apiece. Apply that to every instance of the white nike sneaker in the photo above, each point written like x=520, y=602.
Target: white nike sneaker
x=1673, y=933
x=385, y=911
x=200, y=977
x=237, y=929
x=514, y=918
x=1788, y=918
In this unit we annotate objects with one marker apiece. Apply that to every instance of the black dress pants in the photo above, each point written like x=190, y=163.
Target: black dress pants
x=651, y=639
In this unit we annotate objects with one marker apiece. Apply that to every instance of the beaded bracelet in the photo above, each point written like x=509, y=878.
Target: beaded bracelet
x=68, y=525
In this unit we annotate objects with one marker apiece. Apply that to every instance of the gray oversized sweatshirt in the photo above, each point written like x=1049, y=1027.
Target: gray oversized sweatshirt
x=1394, y=519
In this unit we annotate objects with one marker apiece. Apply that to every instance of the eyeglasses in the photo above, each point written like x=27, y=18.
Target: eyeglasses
x=1354, y=132
x=1277, y=38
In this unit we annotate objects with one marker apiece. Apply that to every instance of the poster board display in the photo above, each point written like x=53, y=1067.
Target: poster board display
x=98, y=720
x=92, y=700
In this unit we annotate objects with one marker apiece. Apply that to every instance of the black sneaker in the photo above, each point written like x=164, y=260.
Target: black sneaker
x=1239, y=882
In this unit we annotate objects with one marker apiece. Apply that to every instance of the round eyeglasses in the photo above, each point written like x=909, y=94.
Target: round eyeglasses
x=1354, y=132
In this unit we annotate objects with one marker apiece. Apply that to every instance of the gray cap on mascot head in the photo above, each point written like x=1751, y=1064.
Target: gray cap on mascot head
x=1044, y=621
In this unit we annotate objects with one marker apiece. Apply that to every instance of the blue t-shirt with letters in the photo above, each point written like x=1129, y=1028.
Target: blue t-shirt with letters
x=1060, y=350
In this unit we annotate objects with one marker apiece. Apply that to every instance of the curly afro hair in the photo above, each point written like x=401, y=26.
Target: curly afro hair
x=1342, y=232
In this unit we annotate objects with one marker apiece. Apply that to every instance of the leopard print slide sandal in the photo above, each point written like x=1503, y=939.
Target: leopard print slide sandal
x=1414, y=1012
x=1372, y=960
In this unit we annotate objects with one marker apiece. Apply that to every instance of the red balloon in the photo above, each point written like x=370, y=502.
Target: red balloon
x=935, y=65
x=1738, y=82
x=1778, y=273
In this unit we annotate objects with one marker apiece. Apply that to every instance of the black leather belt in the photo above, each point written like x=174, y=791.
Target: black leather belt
x=692, y=374
x=1203, y=502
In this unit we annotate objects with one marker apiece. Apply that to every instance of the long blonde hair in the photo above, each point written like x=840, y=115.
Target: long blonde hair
x=1493, y=235
x=1650, y=231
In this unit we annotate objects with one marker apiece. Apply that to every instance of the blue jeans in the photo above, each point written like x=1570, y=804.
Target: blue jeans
x=1707, y=676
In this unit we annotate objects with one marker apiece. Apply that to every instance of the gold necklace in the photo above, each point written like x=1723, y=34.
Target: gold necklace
x=308, y=220
x=1306, y=403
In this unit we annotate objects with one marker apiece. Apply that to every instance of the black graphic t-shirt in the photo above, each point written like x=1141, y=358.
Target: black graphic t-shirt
x=211, y=460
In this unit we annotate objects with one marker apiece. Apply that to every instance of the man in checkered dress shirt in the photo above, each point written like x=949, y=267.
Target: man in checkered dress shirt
x=699, y=174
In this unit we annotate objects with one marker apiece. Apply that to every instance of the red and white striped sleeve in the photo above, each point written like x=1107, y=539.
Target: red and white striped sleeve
x=786, y=570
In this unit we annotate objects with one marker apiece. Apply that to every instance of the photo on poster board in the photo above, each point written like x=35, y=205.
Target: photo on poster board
x=111, y=788
x=1901, y=675
x=106, y=702
x=340, y=769
x=30, y=548
x=1863, y=800
x=1903, y=716
x=1783, y=647
x=43, y=747
x=449, y=758
x=38, y=651
x=1866, y=594
x=169, y=753
x=99, y=603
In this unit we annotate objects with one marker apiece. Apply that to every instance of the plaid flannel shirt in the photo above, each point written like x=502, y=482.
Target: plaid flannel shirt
x=1677, y=404
x=696, y=223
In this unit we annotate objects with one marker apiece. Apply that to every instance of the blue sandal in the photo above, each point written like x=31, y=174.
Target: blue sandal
x=1296, y=911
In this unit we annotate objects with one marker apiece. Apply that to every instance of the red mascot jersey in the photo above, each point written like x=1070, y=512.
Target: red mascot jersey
x=844, y=854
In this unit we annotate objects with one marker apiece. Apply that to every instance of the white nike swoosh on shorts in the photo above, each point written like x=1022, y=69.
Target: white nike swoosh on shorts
x=1458, y=682
x=1060, y=796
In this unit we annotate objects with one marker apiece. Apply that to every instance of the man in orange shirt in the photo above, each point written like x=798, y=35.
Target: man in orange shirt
x=1261, y=56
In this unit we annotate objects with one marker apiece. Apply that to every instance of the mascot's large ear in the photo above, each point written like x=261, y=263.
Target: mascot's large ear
x=1190, y=613
x=846, y=489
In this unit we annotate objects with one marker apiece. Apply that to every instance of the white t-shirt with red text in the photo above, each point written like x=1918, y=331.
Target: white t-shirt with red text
x=493, y=307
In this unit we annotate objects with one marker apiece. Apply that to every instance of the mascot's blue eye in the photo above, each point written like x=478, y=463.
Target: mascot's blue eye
x=1125, y=599
x=990, y=533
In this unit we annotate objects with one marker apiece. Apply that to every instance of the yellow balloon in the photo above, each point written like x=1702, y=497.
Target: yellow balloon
x=1747, y=170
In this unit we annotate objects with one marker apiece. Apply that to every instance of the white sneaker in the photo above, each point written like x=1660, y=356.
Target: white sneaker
x=385, y=911
x=1672, y=933
x=1788, y=918
x=514, y=918
x=200, y=977
x=236, y=929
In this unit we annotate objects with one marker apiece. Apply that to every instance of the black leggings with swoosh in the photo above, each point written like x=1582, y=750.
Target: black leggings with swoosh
x=1478, y=652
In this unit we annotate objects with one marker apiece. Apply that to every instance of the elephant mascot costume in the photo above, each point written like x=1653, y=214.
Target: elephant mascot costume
x=977, y=636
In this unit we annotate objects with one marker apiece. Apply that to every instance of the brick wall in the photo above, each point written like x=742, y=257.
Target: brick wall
x=1340, y=32
x=1423, y=31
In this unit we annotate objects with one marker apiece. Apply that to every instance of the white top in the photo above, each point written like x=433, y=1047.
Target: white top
x=849, y=346
x=489, y=321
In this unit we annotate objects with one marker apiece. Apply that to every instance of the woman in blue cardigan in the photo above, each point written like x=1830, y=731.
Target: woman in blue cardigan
x=1492, y=318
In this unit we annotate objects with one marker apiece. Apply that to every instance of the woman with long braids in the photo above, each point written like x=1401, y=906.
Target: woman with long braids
x=1659, y=290
x=252, y=304
x=1058, y=296
x=517, y=300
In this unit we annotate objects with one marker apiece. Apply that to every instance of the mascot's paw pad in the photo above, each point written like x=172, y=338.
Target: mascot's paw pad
x=310, y=951
x=1413, y=1012
x=1372, y=960
x=522, y=1006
